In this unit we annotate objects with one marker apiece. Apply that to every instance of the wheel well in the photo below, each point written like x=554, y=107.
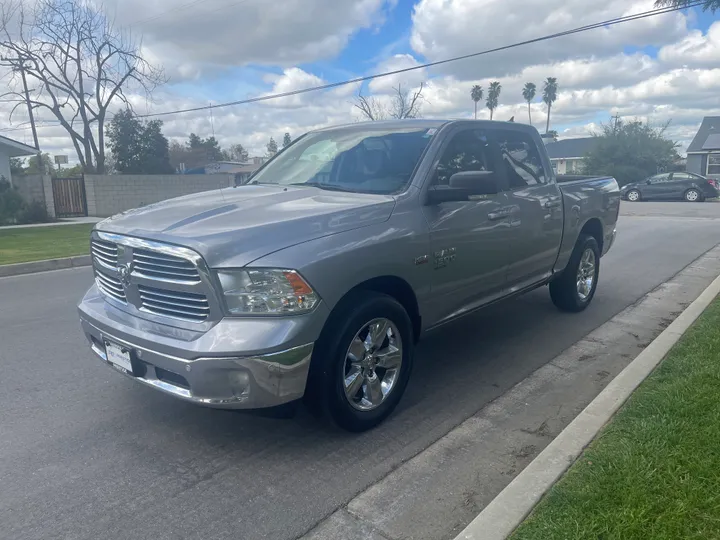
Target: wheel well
x=401, y=291
x=595, y=229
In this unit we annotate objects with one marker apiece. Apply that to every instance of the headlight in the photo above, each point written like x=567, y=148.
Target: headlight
x=266, y=292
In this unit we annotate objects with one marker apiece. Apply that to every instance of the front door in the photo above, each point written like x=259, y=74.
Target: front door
x=536, y=222
x=657, y=187
x=468, y=238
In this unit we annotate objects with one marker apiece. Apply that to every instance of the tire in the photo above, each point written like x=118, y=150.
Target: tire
x=332, y=365
x=693, y=195
x=633, y=195
x=566, y=292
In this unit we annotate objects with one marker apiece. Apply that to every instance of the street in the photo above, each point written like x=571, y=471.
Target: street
x=87, y=454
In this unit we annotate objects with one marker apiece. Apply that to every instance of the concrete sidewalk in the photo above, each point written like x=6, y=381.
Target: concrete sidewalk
x=499, y=519
x=62, y=221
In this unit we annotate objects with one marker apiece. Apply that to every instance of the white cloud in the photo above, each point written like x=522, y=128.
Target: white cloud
x=447, y=28
x=695, y=50
x=596, y=74
x=189, y=38
x=407, y=80
x=291, y=80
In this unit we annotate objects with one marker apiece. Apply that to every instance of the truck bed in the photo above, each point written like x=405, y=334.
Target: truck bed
x=585, y=196
x=564, y=178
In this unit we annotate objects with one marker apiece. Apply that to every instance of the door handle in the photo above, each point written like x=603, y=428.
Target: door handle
x=495, y=216
x=553, y=204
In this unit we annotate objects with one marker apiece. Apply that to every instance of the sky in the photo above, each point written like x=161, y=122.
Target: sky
x=660, y=69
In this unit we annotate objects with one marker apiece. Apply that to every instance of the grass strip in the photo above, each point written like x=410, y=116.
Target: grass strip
x=654, y=471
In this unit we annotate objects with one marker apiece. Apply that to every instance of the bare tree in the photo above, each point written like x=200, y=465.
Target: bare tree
x=371, y=108
x=407, y=104
x=77, y=65
x=403, y=104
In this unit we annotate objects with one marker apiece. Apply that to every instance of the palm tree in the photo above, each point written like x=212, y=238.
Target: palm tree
x=476, y=94
x=493, y=97
x=529, y=94
x=711, y=5
x=549, y=97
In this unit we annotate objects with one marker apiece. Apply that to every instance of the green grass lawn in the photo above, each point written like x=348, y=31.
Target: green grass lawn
x=38, y=243
x=654, y=472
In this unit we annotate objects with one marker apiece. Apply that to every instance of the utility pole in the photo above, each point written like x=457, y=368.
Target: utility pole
x=29, y=106
x=617, y=119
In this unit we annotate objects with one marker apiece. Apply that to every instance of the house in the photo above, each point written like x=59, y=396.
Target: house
x=241, y=170
x=10, y=148
x=567, y=155
x=703, y=154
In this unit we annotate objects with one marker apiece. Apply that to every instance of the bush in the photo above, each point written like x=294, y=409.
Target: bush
x=12, y=204
x=35, y=212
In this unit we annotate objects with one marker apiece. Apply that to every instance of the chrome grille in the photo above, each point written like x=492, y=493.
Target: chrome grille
x=177, y=304
x=110, y=285
x=164, y=267
x=159, y=280
x=104, y=253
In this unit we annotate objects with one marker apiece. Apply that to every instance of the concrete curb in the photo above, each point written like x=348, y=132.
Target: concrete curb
x=7, y=270
x=507, y=511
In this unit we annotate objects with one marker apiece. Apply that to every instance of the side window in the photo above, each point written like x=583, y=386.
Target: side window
x=682, y=176
x=659, y=178
x=521, y=159
x=467, y=151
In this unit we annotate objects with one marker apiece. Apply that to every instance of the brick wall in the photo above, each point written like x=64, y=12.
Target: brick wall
x=109, y=194
x=49, y=197
x=36, y=187
x=30, y=187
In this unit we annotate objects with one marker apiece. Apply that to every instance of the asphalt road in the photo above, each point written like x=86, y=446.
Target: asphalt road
x=86, y=454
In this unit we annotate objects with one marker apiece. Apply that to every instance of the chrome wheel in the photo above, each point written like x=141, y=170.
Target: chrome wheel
x=372, y=364
x=586, y=274
x=633, y=196
x=692, y=195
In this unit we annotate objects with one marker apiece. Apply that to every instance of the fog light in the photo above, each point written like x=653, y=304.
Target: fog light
x=239, y=383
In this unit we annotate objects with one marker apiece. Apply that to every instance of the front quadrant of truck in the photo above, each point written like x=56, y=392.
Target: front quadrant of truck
x=317, y=279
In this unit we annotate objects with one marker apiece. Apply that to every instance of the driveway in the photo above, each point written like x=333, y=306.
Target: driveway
x=86, y=454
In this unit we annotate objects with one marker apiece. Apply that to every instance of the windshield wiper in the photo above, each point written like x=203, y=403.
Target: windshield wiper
x=321, y=185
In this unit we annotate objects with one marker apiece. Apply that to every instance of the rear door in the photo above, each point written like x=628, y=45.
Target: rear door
x=469, y=239
x=536, y=221
x=679, y=183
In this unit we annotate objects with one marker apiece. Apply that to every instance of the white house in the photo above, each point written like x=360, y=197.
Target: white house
x=567, y=156
x=703, y=154
x=10, y=148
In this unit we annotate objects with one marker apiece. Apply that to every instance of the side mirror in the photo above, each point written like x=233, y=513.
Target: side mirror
x=648, y=182
x=477, y=182
x=463, y=185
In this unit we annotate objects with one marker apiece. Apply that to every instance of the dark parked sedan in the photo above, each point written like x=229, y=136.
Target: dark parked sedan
x=672, y=186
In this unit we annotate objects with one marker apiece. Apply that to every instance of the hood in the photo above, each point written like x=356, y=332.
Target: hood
x=232, y=227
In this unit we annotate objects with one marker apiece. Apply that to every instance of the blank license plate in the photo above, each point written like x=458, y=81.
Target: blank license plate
x=119, y=356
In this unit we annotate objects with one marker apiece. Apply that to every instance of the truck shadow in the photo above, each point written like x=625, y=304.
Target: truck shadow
x=458, y=369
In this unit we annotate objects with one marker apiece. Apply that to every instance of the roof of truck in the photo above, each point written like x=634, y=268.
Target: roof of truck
x=420, y=123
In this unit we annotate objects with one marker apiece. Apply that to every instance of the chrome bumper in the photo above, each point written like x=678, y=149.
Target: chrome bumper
x=181, y=368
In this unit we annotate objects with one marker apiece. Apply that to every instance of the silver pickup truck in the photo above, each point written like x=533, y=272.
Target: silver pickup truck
x=317, y=278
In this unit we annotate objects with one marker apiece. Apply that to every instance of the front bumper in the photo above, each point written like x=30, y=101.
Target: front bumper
x=237, y=364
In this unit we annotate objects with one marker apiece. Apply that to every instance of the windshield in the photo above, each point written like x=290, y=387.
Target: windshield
x=359, y=160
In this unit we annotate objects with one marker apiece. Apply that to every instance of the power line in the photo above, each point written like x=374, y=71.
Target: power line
x=609, y=22
x=24, y=128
